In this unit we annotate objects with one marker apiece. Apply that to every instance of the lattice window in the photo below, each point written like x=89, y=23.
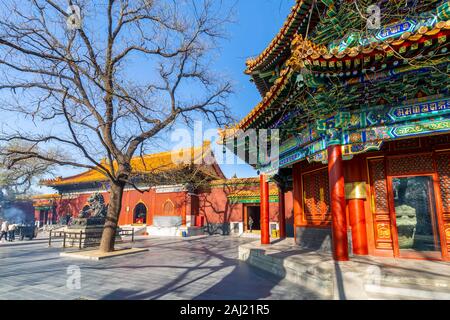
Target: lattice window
x=411, y=164
x=378, y=178
x=380, y=205
x=316, y=197
x=443, y=169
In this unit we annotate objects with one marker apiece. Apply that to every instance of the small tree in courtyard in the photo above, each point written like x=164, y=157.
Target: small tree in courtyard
x=103, y=79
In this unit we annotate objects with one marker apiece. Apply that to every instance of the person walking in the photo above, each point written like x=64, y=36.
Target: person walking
x=4, y=230
x=11, y=232
x=250, y=223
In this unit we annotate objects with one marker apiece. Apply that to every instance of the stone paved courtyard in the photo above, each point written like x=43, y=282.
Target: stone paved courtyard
x=205, y=268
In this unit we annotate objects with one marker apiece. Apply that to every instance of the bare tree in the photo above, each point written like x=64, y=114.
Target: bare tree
x=18, y=179
x=70, y=68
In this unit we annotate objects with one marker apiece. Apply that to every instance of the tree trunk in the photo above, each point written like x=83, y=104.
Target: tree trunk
x=112, y=218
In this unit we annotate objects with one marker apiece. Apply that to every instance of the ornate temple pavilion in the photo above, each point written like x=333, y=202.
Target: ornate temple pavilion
x=364, y=126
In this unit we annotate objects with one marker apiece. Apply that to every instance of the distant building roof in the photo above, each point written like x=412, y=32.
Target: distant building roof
x=252, y=196
x=234, y=182
x=153, y=164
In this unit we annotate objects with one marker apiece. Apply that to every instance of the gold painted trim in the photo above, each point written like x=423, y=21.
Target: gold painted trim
x=355, y=190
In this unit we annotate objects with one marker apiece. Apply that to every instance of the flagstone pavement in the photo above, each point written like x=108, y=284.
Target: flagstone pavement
x=172, y=268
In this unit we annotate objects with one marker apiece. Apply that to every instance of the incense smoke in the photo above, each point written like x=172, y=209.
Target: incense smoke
x=14, y=215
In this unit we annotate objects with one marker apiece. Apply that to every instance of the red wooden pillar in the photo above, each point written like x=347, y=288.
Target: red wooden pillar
x=153, y=209
x=338, y=203
x=282, y=212
x=356, y=209
x=297, y=195
x=37, y=216
x=50, y=216
x=358, y=223
x=264, y=186
x=183, y=211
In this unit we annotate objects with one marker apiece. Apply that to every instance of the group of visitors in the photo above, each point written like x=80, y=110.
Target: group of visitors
x=8, y=231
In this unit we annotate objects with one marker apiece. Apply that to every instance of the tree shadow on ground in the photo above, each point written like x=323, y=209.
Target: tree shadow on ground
x=214, y=277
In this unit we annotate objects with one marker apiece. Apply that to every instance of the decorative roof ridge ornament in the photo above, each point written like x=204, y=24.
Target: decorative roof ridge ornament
x=277, y=42
x=394, y=30
x=305, y=51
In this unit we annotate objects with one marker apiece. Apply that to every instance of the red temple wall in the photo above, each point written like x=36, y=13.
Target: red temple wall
x=212, y=204
x=131, y=199
x=216, y=208
x=78, y=202
x=153, y=201
x=75, y=204
x=289, y=207
x=179, y=201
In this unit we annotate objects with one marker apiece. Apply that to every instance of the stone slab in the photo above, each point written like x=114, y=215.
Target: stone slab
x=168, y=271
x=359, y=278
x=97, y=255
x=318, y=239
x=174, y=231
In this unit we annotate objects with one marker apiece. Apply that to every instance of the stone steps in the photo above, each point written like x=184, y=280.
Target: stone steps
x=358, y=279
x=405, y=293
x=312, y=277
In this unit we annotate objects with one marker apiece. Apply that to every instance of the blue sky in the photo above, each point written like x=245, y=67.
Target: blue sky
x=256, y=23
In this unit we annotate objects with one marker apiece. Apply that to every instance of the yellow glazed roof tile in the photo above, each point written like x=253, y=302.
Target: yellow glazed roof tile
x=153, y=163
